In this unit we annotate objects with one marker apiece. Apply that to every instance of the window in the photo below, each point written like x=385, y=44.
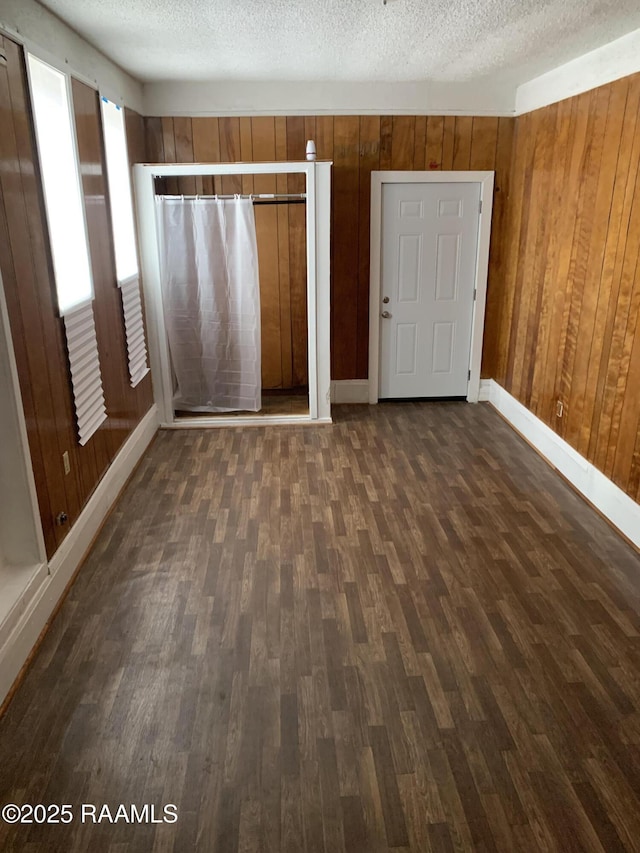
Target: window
x=53, y=117
x=61, y=180
x=124, y=236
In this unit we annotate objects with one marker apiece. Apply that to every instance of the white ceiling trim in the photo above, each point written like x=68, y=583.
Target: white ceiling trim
x=610, y=62
x=269, y=98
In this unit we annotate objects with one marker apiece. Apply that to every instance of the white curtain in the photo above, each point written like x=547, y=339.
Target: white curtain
x=211, y=298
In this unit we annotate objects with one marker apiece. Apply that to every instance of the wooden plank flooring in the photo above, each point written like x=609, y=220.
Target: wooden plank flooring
x=400, y=632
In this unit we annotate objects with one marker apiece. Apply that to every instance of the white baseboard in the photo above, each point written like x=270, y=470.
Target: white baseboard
x=609, y=499
x=350, y=391
x=66, y=559
x=484, y=394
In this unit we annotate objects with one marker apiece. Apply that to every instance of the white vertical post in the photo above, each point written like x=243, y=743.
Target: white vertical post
x=152, y=284
x=323, y=287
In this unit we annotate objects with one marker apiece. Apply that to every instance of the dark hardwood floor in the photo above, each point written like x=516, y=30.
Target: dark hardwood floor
x=402, y=631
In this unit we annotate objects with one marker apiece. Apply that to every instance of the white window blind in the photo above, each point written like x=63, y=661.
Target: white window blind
x=134, y=329
x=86, y=378
x=124, y=237
x=55, y=135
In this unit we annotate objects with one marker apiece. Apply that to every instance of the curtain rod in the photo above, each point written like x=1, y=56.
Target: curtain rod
x=251, y=196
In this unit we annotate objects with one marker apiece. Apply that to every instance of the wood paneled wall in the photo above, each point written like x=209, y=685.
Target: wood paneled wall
x=37, y=331
x=563, y=321
x=280, y=229
x=357, y=145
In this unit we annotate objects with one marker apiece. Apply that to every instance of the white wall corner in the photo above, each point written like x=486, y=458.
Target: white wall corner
x=19, y=644
x=50, y=39
x=610, y=62
x=600, y=491
x=350, y=391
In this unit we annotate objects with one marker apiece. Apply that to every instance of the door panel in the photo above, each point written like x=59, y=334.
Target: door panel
x=429, y=255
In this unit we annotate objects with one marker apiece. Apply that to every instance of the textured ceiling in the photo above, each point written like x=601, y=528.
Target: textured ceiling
x=345, y=40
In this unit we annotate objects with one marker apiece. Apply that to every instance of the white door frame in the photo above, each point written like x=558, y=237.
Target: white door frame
x=318, y=190
x=485, y=179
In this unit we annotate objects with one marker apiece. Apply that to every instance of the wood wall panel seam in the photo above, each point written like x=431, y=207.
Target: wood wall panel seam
x=566, y=314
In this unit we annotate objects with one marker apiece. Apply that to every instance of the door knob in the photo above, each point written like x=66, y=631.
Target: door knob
x=386, y=315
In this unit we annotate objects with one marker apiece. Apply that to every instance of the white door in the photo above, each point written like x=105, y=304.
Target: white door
x=429, y=257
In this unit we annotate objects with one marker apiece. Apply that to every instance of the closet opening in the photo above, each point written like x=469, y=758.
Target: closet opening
x=235, y=261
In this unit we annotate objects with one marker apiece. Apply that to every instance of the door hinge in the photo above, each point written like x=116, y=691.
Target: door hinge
x=468, y=376
x=480, y=206
x=475, y=293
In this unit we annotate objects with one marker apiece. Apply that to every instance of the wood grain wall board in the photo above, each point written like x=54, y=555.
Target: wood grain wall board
x=169, y=153
x=449, y=144
x=206, y=147
x=518, y=221
x=386, y=141
x=229, y=128
x=551, y=302
x=629, y=421
x=38, y=332
x=296, y=146
x=344, y=245
x=462, y=139
x=582, y=239
x=369, y=141
x=628, y=159
x=324, y=137
x=616, y=374
x=154, y=140
x=491, y=357
x=154, y=148
x=569, y=248
x=434, y=141
x=589, y=340
x=183, y=141
x=403, y=132
x=298, y=294
x=27, y=267
x=263, y=136
x=538, y=240
x=634, y=477
x=266, y=217
x=564, y=316
x=246, y=149
x=20, y=348
x=420, y=143
x=484, y=141
x=619, y=439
